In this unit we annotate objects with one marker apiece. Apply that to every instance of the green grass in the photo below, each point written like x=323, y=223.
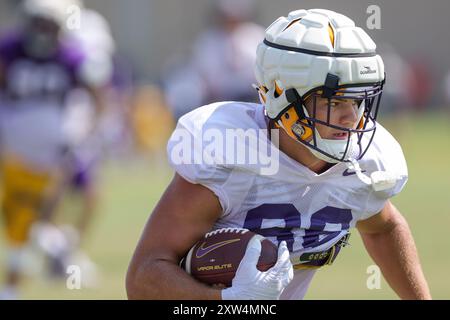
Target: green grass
x=130, y=190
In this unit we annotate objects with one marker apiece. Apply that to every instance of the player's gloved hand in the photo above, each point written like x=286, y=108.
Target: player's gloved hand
x=251, y=284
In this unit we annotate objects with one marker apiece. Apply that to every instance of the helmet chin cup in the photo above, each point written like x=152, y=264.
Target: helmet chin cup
x=340, y=149
x=321, y=156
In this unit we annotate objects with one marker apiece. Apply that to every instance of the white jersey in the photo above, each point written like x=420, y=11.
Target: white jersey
x=310, y=211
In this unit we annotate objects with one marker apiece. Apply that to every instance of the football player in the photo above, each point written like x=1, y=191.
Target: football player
x=37, y=70
x=320, y=84
x=83, y=128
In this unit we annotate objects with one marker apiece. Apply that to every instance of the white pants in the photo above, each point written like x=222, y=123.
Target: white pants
x=296, y=290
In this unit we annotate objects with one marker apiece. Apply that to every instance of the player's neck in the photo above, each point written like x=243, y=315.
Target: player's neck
x=301, y=154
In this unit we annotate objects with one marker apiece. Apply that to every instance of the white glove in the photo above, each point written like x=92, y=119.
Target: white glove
x=251, y=284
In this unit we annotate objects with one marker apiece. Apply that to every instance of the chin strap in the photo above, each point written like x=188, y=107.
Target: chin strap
x=380, y=180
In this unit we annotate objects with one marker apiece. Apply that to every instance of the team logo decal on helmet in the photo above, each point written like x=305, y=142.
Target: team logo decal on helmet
x=315, y=54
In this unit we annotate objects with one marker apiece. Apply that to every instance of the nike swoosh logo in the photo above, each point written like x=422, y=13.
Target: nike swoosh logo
x=348, y=173
x=202, y=251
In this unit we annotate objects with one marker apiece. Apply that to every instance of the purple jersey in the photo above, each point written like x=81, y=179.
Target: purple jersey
x=29, y=78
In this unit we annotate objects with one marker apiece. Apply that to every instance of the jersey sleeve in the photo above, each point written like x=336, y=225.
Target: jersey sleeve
x=377, y=200
x=184, y=152
x=390, y=158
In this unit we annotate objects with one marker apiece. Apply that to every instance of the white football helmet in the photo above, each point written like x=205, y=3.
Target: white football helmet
x=319, y=53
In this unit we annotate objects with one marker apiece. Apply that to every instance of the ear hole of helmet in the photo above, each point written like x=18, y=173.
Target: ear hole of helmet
x=301, y=130
x=295, y=127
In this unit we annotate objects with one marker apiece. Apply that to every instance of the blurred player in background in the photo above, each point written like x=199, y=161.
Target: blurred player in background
x=85, y=130
x=220, y=67
x=38, y=69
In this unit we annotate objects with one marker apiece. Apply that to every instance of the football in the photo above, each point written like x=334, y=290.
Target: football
x=215, y=258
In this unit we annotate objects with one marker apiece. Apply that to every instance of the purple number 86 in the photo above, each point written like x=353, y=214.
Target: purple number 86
x=292, y=219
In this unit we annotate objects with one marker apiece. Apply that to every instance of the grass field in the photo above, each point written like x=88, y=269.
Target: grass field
x=131, y=190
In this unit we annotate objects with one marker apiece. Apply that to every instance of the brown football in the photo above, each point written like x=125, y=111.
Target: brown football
x=216, y=257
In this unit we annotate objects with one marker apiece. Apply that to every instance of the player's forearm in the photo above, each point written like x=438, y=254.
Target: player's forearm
x=395, y=253
x=164, y=280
